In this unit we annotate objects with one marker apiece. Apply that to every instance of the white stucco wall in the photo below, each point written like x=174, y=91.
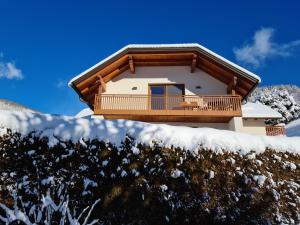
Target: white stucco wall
x=254, y=126
x=124, y=83
x=222, y=126
x=236, y=124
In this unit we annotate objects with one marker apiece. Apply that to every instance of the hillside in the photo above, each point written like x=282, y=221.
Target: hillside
x=293, y=128
x=12, y=106
x=126, y=172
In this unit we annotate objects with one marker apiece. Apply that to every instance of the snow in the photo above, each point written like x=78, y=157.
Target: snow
x=293, y=128
x=291, y=165
x=260, y=179
x=49, y=180
x=258, y=110
x=9, y=105
x=124, y=173
x=114, y=131
x=84, y=113
x=135, y=150
x=164, y=46
x=163, y=187
x=211, y=174
x=88, y=182
x=176, y=173
x=279, y=99
x=104, y=163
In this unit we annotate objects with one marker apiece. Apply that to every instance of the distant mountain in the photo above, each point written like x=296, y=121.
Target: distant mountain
x=13, y=106
x=285, y=99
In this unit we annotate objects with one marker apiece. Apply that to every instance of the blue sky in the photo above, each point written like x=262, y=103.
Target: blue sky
x=45, y=43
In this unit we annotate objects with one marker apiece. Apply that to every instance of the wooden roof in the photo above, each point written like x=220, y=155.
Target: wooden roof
x=86, y=84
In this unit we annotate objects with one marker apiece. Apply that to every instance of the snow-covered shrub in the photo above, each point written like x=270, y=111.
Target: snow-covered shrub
x=46, y=211
x=139, y=184
x=280, y=99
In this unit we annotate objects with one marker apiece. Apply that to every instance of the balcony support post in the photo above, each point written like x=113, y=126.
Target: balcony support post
x=102, y=85
x=131, y=64
x=231, y=86
x=194, y=62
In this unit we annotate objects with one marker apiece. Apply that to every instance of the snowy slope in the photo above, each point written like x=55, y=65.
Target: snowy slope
x=64, y=127
x=9, y=105
x=84, y=113
x=293, y=128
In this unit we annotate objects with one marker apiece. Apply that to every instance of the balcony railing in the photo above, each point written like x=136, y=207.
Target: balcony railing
x=182, y=105
x=275, y=130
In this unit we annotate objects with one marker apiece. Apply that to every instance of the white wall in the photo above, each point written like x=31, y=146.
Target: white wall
x=124, y=83
x=236, y=124
x=254, y=126
x=222, y=126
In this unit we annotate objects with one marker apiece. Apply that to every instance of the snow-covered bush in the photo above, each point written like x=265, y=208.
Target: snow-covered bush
x=138, y=184
x=280, y=99
x=45, y=212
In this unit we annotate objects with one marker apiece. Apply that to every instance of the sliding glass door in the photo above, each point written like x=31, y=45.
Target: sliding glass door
x=166, y=96
x=158, y=93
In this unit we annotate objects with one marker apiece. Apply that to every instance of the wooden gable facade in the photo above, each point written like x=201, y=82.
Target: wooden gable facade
x=91, y=85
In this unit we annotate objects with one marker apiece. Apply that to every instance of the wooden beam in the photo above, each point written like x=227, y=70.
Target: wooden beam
x=232, y=86
x=102, y=83
x=194, y=63
x=92, y=90
x=100, y=90
x=103, y=72
x=131, y=64
x=163, y=63
x=162, y=56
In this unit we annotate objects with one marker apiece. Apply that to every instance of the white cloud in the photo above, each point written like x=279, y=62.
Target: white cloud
x=262, y=48
x=9, y=70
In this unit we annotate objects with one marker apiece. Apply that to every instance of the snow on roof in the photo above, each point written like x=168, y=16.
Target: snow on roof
x=293, y=128
x=258, y=110
x=84, y=113
x=115, y=131
x=195, y=46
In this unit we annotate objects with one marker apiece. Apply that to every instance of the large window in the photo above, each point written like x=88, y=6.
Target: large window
x=166, y=96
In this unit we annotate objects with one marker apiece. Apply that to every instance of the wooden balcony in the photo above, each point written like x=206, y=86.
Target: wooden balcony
x=183, y=108
x=275, y=130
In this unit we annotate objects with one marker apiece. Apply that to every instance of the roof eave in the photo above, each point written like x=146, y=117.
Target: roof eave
x=170, y=47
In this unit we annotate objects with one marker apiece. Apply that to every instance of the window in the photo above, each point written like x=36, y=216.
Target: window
x=166, y=96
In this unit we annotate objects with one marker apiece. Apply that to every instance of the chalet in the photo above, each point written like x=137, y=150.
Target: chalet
x=179, y=84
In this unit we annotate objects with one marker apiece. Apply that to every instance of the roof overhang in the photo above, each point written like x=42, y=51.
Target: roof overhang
x=117, y=63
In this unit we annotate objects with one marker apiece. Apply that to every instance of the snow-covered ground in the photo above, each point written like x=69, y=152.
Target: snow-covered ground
x=293, y=128
x=65, y=127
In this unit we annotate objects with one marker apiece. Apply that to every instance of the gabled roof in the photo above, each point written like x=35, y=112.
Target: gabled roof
x=145, y=47
x=258, y=110
x=146, y=54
